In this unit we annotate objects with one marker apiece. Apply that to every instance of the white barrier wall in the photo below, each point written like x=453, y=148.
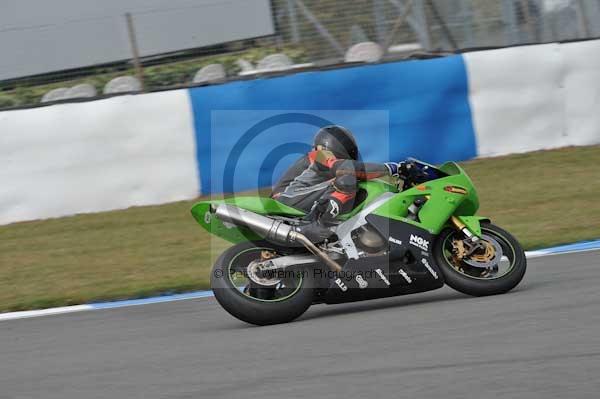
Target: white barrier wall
x=141, y=150
x=97, y=156
x=582, y=92
x=535, y=97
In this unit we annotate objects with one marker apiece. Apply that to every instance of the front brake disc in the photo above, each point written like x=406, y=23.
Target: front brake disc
x=488, y=257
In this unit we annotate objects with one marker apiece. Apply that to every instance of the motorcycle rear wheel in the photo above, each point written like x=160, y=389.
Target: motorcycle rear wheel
x=254, y=303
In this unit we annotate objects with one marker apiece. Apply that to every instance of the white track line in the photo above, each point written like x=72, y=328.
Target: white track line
x=44, y=312
x=540, y=254
x=563, y=250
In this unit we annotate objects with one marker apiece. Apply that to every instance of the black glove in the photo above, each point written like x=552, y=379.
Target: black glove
x=400, y=169
x=412, y=174
x=319, y=207
x=392, y=168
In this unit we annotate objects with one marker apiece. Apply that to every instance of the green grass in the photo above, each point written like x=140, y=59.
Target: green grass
x=544, y=198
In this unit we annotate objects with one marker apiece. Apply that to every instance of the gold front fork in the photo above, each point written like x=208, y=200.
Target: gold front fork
x=457, y=223
x=460, y=226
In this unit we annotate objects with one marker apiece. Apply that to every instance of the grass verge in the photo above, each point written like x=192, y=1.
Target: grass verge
x=544, y=198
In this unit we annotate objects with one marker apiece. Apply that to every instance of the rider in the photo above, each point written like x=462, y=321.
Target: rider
x=324, y=181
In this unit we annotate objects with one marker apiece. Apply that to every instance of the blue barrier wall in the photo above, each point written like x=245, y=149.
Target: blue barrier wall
x=424, y=113
x=242, y=135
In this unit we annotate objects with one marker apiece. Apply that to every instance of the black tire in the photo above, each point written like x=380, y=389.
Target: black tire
x=256, y=311
x=482, y=287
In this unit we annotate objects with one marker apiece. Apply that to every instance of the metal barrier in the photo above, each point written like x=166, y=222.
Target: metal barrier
x=316, y=33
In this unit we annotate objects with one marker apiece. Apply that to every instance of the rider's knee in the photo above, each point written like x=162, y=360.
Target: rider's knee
x=345, y=184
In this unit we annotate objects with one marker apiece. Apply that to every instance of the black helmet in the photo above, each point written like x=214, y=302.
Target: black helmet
x=338, y=140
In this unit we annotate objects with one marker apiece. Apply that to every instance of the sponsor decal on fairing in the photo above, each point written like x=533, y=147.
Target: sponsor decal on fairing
x=395, y=241
x=406, y=276
x=382, y=276
x=362, y=284
x=340, y=284
x=428, y=266
x=419, y=242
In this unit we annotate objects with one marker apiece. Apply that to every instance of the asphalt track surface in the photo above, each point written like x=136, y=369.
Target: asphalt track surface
x=540, y=341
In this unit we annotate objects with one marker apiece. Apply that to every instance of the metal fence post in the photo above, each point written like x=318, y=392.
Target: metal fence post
x=134, y=49
x=291, y=7
x=511, y=26
x=593, y=16
x=466, y=14
x=421, y=25
x=399, y=21
x=379, y=17
x=584, y=26
x=528, y=20
x=447, y=34
x=320, y=28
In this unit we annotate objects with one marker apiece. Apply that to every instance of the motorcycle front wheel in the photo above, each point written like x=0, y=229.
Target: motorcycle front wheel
x=495, y=269
x=253, y=297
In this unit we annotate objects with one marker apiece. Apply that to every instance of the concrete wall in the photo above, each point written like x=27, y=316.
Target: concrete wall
x=168, y=146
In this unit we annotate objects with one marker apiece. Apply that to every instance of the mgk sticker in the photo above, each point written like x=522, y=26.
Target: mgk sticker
x=419, y=242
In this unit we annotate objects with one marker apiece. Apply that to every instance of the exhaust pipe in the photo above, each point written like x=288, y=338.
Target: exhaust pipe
x=273, y=230
x=301, y=238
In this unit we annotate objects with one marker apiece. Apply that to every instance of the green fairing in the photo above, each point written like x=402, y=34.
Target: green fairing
x=440, y=206
x=374, y=189
x=434, y=215
x=473, y=223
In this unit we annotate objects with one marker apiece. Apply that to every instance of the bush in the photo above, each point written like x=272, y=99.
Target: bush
x=155, y=77
x=181, y=73
x=7, y=101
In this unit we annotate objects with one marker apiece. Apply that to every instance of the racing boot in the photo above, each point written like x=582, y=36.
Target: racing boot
x=321, y=217
x=323, y=214
x=315, y=232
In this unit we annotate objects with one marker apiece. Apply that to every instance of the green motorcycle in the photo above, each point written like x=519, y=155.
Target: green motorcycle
x=401, y=237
